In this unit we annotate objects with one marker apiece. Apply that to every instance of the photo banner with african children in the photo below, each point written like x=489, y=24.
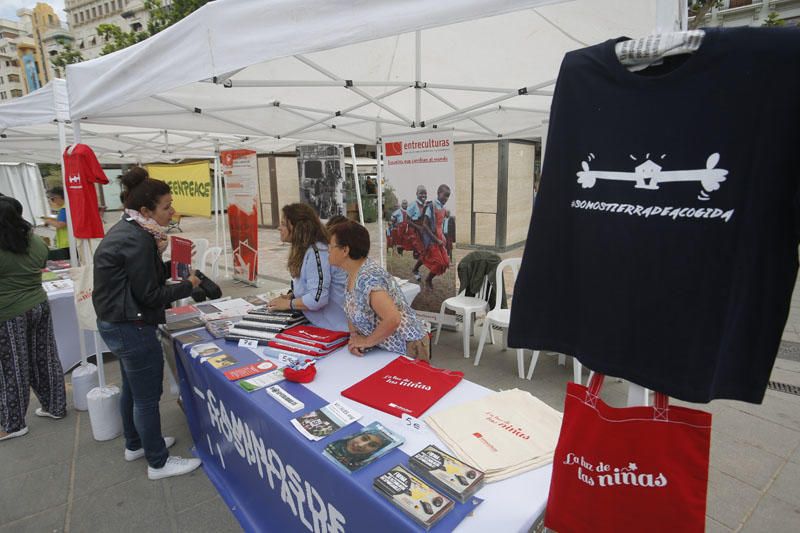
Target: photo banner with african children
x=241, y=188
x=419, y=200
x=190, y=184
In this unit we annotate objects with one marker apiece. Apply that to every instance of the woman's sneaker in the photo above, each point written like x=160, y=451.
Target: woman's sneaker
x=41, y=412
x=132, y=455
x=175, y=466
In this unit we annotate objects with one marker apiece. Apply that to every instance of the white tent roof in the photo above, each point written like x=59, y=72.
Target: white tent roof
x=45, y=105
x=121, y=144
x=334, y=70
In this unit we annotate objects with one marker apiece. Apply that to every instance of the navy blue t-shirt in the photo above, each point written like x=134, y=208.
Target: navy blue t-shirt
x=663, y=245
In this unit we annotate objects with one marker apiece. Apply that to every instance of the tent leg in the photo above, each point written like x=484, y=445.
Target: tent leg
x=358, y=185
x=381, y=236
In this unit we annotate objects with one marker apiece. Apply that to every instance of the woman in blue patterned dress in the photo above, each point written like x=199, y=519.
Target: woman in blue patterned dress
x=378, y=313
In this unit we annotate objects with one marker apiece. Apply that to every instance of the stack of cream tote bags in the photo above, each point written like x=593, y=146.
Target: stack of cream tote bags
x=503, y=434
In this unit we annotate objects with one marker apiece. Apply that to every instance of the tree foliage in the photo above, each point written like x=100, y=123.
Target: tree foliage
x=160, y=17
x=699, y=9
x=66, y=56
x=774, y=19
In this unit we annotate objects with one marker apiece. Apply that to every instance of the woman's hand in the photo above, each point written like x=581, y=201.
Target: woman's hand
x=194, y=279
x=281, y=303
x=358, y=344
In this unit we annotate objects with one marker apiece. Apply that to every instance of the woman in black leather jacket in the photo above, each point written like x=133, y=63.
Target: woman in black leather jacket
x=130, y=294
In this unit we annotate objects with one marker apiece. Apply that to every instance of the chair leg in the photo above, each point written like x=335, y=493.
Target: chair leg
x=521, y=363
x=467, y=332
x=562, y=360
x=486, y=327
x=504, y=339
x=534, y=359
x=491, y=335
x=577, y=370
x=439, y=327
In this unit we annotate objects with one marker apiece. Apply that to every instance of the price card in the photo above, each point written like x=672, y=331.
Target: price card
x=250, y=344
x=414, y=424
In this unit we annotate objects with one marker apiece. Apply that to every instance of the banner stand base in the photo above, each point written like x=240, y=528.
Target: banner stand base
x=253, y=283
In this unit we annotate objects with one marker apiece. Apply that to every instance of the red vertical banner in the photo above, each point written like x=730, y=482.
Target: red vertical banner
x=241, y=186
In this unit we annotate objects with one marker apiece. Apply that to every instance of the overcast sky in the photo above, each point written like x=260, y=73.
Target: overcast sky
x=8, y=8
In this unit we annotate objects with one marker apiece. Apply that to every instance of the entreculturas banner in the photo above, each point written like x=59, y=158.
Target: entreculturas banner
x=190, y=184
x=419, y=199
x=239, y=167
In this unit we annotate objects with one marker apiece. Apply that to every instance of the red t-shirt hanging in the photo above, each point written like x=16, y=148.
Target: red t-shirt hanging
x=404, y=386
x=82, y=171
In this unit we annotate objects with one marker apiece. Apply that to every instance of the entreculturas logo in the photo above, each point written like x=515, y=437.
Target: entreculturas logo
x=394, y=149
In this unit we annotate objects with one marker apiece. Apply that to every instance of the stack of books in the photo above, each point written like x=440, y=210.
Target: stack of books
x=183, y=318
x=309, y=340
x=263, y=325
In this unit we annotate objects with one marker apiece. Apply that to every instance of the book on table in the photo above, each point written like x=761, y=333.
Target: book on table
x=413, y=496
x=456, y=477
x=318, y=424
x=361, y=448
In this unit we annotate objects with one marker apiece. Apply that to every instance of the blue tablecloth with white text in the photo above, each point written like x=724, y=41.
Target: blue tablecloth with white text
x=271, y=476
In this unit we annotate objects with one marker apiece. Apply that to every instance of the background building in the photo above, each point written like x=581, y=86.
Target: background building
x=84, y=16
x=752, y=12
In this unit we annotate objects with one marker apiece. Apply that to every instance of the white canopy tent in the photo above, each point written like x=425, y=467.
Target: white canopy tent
x=315, y=69
x=24, y=182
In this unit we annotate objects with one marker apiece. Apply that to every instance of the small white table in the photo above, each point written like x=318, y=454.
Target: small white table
x=65, y=325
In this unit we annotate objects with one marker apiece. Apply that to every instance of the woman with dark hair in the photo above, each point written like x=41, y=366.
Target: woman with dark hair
x=378, y=312
x=130, y=294
x=317, y=289
x=28, y=353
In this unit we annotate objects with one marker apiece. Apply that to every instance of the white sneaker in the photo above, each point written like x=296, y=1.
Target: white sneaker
x=41, y=412
x=175, y=466
x=132, y=455
x=19, y=433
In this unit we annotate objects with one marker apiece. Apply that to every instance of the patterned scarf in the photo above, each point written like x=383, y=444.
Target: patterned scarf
x=152, y=227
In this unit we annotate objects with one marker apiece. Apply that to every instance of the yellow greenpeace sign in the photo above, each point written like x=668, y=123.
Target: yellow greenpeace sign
x=190, y=184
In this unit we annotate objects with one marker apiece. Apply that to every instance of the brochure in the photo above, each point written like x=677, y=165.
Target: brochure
x=413, y=496
x=180, y=257
x=262, y=380
x=250, y=370
x=442, y=469
x=318, y=424
x=359, y=449
x=182, y=325
x=189, y=338
x=222, y=360
x=220, y=328
x=205, y=350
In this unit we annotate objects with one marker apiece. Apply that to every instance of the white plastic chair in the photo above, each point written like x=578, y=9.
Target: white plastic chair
x=211, y=256
x=199, y=249
x=500, y=317
x=465, y=306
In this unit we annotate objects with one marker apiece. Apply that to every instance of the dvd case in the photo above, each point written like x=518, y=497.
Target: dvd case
x=413, y=496
x=455, y=477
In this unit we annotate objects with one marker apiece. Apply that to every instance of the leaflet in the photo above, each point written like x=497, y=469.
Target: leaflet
x=318, y=424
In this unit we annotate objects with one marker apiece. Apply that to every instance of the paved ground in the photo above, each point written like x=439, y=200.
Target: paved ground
x=58, y=478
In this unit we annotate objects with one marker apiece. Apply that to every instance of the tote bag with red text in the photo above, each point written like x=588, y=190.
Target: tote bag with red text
x=628, y=469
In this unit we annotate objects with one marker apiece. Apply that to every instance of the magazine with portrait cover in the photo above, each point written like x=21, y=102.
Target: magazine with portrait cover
x=413, y=496
x=456, y=477
x=325, y=421
x=363, y=447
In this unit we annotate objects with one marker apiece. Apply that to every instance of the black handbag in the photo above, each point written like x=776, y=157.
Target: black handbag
x=206, y=289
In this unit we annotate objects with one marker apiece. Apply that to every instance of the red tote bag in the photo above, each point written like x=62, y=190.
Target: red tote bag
x=628, y=469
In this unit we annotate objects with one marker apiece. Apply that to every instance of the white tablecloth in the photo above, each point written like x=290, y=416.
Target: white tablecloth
x=510, y=505
x=65, y=324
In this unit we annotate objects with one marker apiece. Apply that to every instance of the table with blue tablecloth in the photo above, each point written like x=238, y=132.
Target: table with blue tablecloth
x=274, y=479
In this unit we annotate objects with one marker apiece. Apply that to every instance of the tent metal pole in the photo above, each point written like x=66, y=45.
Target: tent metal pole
x=223, y=223
x=62, y=141
x=491, y=101
x=418, y=77
x=215, y=207
x=356, y=90
x=352, y=108
x=470, y=116
x=358, y=185
x=379, y=156
x=314, y=83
